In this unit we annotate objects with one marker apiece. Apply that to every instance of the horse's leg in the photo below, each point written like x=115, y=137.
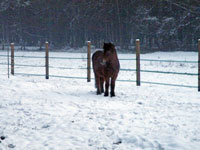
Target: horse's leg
x=107, y=87
x=113, y=79
x=102, y=81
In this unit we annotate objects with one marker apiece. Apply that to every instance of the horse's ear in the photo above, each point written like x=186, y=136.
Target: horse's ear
x=111, y=45
x=104, y=45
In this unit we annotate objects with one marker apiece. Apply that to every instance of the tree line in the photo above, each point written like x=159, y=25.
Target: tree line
x=159, y=24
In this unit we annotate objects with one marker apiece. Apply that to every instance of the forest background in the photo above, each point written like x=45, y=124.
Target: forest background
x=160, y=24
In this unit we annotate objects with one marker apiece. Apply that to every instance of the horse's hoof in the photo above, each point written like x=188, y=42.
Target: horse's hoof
x=112, y=94
x=98, y=93
x=106, y=94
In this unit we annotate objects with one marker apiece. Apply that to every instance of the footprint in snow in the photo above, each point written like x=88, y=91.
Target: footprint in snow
x=46, y=126
x=11, y=146
x=2, y=137
x=117, y=141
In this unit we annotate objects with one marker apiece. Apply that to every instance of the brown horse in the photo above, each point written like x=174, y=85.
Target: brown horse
x=105, y=66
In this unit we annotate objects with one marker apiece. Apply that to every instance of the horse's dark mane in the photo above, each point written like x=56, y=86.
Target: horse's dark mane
x=109, y=46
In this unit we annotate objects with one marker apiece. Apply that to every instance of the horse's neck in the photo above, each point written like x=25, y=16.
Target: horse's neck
x=115, y=56
x=113, y=59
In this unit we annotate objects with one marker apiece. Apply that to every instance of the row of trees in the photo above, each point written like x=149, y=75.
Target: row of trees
x=160, y=24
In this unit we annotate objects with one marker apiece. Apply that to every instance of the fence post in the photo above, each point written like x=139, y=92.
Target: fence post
x=89, y=62
x=12, y=58
x=8, y=62
x=138, y=62
x=3, y=45
x=199, y=66
x=47, y=59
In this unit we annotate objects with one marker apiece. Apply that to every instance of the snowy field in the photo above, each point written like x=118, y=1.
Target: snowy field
x=66, y=113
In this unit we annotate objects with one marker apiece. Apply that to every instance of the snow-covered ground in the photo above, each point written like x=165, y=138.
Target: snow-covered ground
x=66, y=114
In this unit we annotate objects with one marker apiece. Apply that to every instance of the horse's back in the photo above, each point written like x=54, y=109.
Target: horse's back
x=96, y=55
x=97, y=58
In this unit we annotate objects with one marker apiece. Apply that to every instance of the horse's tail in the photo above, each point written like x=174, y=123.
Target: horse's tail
x=95, y=84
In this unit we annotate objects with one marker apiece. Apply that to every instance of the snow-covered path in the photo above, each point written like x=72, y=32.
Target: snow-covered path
x=66, y=114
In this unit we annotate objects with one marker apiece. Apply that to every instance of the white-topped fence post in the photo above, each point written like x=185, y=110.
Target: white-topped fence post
x=199, y=65
x=47, y=59
x=12, y=58
x=88, y=61
x=8, y=62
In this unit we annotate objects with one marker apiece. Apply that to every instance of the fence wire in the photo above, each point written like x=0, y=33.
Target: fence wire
x=122, y=69
x=84, y=58
x=174, y=61
x=166, y=84
x=133, y=81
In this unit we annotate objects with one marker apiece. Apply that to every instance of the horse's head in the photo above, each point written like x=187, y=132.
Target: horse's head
x=108, y=52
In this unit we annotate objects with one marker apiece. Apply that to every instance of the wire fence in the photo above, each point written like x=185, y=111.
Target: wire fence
x=122, y=69
x=137, y=70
